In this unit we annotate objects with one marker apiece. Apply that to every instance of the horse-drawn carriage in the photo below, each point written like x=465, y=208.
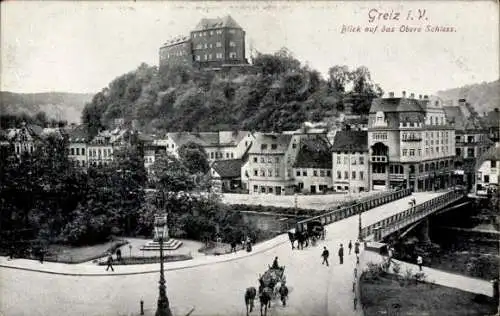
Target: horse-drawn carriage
x=271, y=284
x=271, y=278
x=314, y=231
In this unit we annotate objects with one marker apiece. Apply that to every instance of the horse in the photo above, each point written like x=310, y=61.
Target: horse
x=292, y=235
x=301, y=238
x=265, y=300
x=283, y=291
x=250, y=295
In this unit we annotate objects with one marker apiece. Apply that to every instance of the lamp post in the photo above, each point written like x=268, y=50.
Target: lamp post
x=163, y=308
x=360, y=228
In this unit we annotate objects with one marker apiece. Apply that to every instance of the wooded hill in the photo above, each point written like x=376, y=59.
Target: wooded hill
x=484, y=97
x=280, y=95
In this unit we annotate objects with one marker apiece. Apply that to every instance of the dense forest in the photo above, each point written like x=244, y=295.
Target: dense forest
x=279, y=95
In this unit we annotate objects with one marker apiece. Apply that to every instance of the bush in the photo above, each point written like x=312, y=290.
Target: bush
x=373, y=272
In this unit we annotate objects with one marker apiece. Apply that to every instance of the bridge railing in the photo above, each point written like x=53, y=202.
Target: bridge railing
x=337, y=215
x=397, y=221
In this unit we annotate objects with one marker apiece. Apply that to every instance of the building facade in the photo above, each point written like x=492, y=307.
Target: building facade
x=488, y=172
x=176, y=52
x=350, y=168
x=211, y=44
x=411, y=144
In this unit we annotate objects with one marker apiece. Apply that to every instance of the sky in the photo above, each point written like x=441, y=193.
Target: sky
x=82, y=46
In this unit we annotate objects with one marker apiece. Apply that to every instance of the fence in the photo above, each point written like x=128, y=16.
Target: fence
x=395, y=222
x=337, y=215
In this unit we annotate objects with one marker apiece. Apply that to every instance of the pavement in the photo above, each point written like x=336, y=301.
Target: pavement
x=212, y=285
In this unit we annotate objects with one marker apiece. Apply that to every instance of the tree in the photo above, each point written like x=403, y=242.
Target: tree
x=338, y=78
x=170, y=175
x=194, y=157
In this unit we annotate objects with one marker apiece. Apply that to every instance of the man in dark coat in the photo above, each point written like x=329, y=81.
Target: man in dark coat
x=325, y=255
x=341, y=254
x=110, y=263
x=349, y=246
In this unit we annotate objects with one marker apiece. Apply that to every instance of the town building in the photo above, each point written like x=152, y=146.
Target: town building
x=471, y=141
x=212, y=44
x=226, y=175
x=492, y=122
x=411, y=144
x=77, y=139
x=313, y=166
x=100, y=149
x=349, y=162
x=488, y=172
x=25, y=139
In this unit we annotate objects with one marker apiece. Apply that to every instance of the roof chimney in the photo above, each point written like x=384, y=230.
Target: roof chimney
x=404, y=94
x=420, y=96
x=412, y=95
x=391, y=94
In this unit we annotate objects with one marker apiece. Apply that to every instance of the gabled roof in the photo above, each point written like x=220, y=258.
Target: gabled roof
x=215, y=23
x=281, y=140
x=228, y=168
x=396, y=105
x=350, y=141
x=314, y=153
x=493, y=153
x=208, y=139
x=455, y=114
x=492, y=119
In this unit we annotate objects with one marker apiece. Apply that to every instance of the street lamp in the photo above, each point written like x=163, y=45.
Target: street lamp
x=360, y=228
x=163, y=308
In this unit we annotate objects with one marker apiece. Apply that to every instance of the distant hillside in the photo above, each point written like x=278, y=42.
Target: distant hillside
x=57, y=105
x=483, y=96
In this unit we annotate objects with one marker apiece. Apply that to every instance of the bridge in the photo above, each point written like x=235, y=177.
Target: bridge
x=213, y=285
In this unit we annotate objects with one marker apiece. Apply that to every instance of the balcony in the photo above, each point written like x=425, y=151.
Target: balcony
x=380, y=159
x=412, y=139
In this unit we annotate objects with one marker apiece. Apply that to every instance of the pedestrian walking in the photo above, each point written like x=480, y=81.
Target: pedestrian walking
x=233, y=246
x=341, y=254
x=11, y=252
x=118, y=254
x=41, y=255
x=350, y=246
x=325, y=256
x=357, y=259
x=110, y=263
x=356, y=248
x=420, y=261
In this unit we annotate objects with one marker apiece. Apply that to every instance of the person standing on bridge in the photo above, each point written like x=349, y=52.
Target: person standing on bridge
x=420, y=261
x=341, y=254
x=325, y=256
x=350, y=246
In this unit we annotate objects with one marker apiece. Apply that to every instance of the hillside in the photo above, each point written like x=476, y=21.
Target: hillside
x=279, y=94
x=57, y=105
x=483, y=96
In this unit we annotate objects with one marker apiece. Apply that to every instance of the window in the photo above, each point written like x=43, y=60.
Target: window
x=304, y=173
x=263, y=146
x=197, y=58
x=232, y=155
x=270, y=159
x=353, y=160
x=346, y=175
x=328, y=173
x=269, y=173
x=294, y=145
x=218, y=44
x=493, y=163
x=322, y=173
x=315, y=173
x=232, y=44
x=206, y=57
x=232, y=55
x=218, y=55
x=199, y=46
x=83, y=151
x=209, y=56
x=339, y=175
x=274, y=146
x=255, y=188
x=339, y=160
x=420, y=152
x=277, y=159
x=227, y=155
x=412, y=152
x=361, y=160
x=262, y=173
x=262, y=160
x=486, y=178
x=270, y=190
x=353, y=175
x=298, y=173
x=255, y=172
x=219, y=32
x=211, y=32
x=263, y=189
x=72, y=151
x=361, y=175
x=405, y=152
x=78, y=151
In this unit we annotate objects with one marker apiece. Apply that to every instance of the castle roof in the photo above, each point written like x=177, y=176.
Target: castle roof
x=215, y=23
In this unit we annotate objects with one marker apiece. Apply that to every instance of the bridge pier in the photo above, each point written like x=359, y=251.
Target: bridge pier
x=423, y=233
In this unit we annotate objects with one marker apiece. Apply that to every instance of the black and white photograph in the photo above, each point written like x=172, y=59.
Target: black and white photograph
x=249, y=158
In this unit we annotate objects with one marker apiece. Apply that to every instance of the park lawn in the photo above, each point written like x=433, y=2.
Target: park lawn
x=68, y=254
x=379, y=297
